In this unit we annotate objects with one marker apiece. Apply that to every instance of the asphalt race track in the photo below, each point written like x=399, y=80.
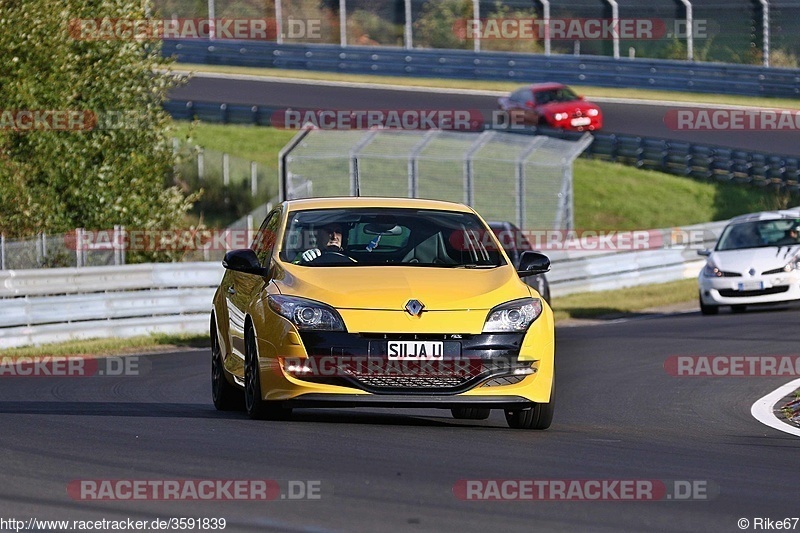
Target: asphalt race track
x=619, y=416
x=627, y=118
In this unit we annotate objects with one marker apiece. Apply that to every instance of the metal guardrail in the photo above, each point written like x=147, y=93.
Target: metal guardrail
x=700, y=161
x=57, y=305
x=681, y=158
x=584, y=271
x=719, y=78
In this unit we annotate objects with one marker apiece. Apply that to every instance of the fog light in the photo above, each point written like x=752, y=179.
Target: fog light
x=524, y=371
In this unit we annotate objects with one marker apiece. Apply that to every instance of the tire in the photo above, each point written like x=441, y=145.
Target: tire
x=708, y=309
x=470, y=413
x=538, y=416
x=738, y=309
x=226, y=397
x=257, y=408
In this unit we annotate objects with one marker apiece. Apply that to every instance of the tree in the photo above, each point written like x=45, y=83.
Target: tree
x=115, y=173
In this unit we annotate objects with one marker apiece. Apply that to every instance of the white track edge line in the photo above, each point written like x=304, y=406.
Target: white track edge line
x=762, y=409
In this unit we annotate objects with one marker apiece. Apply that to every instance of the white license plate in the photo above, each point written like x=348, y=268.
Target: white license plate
x=415, y=350
x=583, y=121
x=751, y=286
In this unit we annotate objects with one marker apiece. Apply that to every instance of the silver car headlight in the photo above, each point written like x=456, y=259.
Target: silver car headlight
x=794, y=264
x=306, y=314
x=711, y=270
x=514, y=316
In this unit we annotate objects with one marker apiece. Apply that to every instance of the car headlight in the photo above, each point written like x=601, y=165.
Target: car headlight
x=513, y=316
x=560, y=116
x=711, y=270
x=794, y=264
x=306, y=314
x=593, y=112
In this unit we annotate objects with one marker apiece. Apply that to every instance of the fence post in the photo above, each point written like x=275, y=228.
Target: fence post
x=123, y=248
x=78, y=247
x=38, y=242
x=343, y=23
x=114, y=246
x=278, y=22
x=44, y=246
x=253, y=178
x=2, y=251
x=226, y=170
x=408, y=35
x=546, y=13
x=476, y=16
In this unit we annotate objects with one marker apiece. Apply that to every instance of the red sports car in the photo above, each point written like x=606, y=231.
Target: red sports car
x=551, y=104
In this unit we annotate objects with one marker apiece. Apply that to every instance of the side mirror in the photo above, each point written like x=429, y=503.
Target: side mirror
x=530, y=104
x=244, y=260
x=704, y=253
x=533, y=263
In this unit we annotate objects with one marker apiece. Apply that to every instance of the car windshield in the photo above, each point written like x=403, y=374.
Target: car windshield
x=759, y=234
x=389, y=237
x=562, y=94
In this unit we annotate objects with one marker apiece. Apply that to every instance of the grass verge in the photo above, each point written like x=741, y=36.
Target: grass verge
x=502, y=86
x=624, y=302
x=101, y=347
x=606, y=304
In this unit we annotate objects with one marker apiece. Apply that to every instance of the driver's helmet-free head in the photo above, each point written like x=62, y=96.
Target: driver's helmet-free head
x=332, y=236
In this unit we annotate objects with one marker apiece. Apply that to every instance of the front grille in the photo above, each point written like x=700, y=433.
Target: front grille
x=412, y=382
x=774, y=271
x=730, y=293
x=724, y=274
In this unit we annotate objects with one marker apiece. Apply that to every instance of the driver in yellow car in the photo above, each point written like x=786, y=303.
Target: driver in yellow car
x=330, y=234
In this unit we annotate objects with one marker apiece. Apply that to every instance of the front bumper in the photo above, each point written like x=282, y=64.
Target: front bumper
x=752, y=290
x=518, y=366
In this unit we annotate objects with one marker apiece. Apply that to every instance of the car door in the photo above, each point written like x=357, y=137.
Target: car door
x=244, y=288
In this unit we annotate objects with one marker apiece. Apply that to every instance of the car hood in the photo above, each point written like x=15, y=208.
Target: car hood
x=568, y=107
x=390, y=287
x=757, y=259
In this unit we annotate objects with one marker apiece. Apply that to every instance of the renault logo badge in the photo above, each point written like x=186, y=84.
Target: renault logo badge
x=414, y=307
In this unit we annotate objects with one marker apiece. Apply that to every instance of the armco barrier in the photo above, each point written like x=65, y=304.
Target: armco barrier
x=698, y=161
x=41, y=306
x=587, y=271
x=720, y=78
x=59, y=304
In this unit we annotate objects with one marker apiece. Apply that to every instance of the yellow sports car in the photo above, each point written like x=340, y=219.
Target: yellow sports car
x=381, y=302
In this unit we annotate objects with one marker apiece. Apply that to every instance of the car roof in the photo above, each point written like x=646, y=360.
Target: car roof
x=546, y=86
x=372, y=201
x=767, y=215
